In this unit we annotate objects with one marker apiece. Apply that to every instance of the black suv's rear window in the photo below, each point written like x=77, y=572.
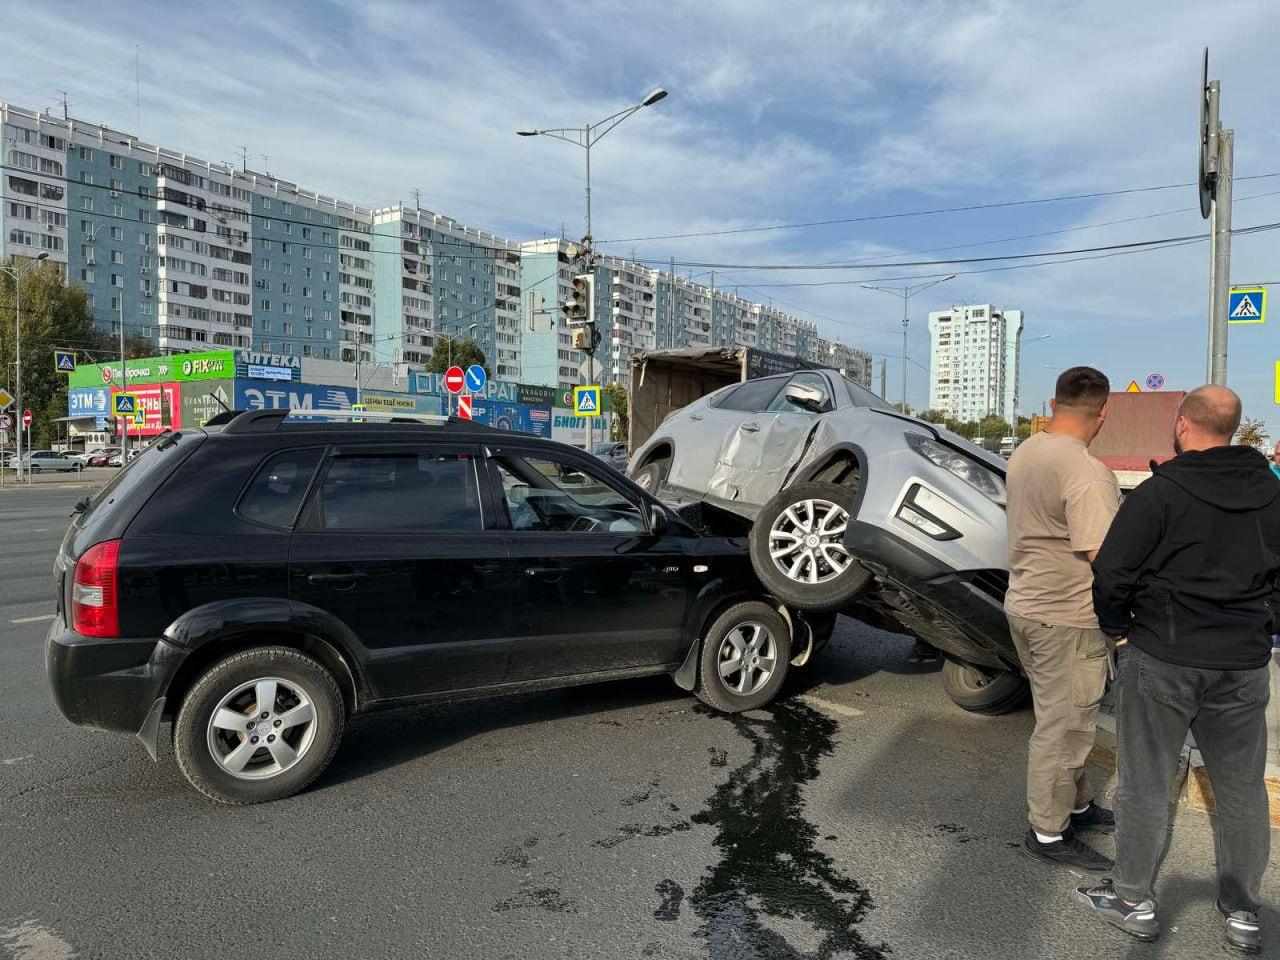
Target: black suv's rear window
x=401, y=493
x=275, y=494
x=133, y=473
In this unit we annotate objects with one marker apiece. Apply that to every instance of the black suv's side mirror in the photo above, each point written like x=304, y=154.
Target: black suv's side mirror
x=657, y=519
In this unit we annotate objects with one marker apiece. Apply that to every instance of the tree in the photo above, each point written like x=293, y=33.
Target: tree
x=933, y=416
x=54, y=315
x=1252, y=433
x=994, y=427
x=617, y=395
x=452, y=351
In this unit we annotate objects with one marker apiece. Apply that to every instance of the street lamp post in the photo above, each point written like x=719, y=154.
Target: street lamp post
x=18, y=271
x=905, y=294
x=586, y=137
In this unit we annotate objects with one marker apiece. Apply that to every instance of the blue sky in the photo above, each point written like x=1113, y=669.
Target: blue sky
x=777, y=114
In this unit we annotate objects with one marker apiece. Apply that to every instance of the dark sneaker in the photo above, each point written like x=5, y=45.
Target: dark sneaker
x=1136, y=919
x=1069, y=852
x=1094, y=818
x=1243, y=929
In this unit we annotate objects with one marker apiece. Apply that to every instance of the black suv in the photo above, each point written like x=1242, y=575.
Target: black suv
x=259, y=580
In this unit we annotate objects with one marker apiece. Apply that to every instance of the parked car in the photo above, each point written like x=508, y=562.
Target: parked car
x=612, y=453
x=852, y=506
x=259, y=580
x=50, y=461
x=102, y=457
x=84, y=456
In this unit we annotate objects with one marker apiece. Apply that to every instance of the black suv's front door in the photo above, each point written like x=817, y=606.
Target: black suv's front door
x=396, y=542
x=593, y=589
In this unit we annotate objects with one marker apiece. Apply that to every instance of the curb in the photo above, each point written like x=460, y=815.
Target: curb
x=1194, y=789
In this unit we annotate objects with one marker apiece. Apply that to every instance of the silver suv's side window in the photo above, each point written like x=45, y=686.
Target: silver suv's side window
x=752, y=396
x=821, y=402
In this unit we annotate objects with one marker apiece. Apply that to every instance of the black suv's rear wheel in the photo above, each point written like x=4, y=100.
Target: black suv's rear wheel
x=259, y=725
x=744, y=658
x=798, y=551
x=984, y=689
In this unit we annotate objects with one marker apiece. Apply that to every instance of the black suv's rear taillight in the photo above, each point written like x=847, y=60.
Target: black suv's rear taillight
x=95, y=596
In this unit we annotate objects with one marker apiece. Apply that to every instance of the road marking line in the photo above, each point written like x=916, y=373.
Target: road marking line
x=46, y=616
x=830, y=706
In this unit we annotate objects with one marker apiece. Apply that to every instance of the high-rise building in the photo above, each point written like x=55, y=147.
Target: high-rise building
x=975, y=352
x=195, y=255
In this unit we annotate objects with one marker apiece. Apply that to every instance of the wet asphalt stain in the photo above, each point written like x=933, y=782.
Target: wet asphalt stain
x=719, y=758
x=672, y=897
x=629, y=830
x=545, y=898
x=517, y=854
x=770, y=865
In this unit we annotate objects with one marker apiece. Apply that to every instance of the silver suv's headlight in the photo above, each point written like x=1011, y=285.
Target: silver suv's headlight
x=986, y=481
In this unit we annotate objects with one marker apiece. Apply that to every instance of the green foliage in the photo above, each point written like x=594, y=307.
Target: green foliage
x=54, y=316
x=453, y=351
x=617, y=395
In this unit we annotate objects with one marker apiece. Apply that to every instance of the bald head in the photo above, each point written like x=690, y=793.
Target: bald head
x=1213, y=410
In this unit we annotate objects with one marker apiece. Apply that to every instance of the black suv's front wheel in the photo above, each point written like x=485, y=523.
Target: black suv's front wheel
x=798, y=551
x=259, y=725
x=744, y=658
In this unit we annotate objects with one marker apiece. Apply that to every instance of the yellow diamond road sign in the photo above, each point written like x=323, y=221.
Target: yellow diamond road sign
x=6, y=398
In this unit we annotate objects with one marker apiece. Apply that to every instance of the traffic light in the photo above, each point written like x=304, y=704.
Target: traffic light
x=580, y=308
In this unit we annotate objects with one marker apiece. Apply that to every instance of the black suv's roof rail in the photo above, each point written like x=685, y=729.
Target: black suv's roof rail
x=266, y=421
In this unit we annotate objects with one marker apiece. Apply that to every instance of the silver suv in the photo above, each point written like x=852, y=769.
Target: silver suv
x=852, y=506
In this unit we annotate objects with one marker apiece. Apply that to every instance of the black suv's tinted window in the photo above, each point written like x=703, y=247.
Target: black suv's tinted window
x=400, y=493
x=754, y=395
x=553, y=495
x=276, y=492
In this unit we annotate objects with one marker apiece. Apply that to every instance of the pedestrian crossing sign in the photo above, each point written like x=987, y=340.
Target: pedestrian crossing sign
x=586, y=401
x=1247, y=305
x=64, y=361
x=124, y=404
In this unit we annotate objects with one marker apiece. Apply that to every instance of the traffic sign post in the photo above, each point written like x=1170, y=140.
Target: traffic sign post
x=1247, y=305
x=124, y=404
x=464, y=406
x=1133, y=387
x=26, y=419
x=357, y=408
x=1155, y=381
x=6, y=422
x=476, y=378
x=64, y=361
x=586, y=401
x=6, y=399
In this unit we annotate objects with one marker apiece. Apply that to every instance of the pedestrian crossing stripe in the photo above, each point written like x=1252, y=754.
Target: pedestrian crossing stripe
x=1247, y=305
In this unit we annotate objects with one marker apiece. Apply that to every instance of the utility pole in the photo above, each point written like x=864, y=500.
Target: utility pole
x=905, y=294
x=1217, y=147
x=671, y=305
x=124, y=386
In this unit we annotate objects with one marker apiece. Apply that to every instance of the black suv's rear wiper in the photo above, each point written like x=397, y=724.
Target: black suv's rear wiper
x=81, y=506
x=168, y=440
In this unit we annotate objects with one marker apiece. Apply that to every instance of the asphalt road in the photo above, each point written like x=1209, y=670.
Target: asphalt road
x=862, y=816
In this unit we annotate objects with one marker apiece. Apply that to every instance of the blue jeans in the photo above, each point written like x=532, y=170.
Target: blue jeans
x=1157, y=703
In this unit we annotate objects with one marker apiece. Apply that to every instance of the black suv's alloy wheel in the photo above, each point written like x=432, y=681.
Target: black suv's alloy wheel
x=259, y=725
x=744, y=658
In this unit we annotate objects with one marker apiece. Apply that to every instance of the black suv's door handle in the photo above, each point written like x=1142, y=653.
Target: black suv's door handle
x=751, y=427
x=336, y=579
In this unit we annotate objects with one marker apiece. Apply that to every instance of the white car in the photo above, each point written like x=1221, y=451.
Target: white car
x=50, y=461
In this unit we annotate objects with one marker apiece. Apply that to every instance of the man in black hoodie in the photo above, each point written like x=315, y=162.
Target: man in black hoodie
x=1185, y=585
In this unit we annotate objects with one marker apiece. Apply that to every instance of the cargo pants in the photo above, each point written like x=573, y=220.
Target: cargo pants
x=1067, y=667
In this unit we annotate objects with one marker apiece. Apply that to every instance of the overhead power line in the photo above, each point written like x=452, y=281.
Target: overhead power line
x=920, y=213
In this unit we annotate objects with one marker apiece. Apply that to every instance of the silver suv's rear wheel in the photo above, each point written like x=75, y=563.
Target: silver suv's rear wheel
x=258, y=725
x=798, y=551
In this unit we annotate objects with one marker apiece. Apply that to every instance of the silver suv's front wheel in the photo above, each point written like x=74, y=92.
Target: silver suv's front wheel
x=798, y=551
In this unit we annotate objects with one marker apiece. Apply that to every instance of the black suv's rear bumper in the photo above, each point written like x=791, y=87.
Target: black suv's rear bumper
x=114, y=684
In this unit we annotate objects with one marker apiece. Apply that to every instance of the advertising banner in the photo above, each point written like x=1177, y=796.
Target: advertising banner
x=200, y=400
x=375, y=400
x=180, y=368
x=569, y=428
x=161, y=404
x=520, y=417
x=432, y=384
x=281, y=395
x=536, y=393
x=90, y=402
x=267, y=366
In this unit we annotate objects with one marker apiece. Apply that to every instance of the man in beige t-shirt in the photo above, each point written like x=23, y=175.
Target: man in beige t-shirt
x=1061, y=501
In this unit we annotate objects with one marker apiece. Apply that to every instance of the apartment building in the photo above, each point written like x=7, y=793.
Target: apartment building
x=974, y=361
x=195, y=255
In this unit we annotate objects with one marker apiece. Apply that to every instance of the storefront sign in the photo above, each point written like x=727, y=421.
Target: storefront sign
x=179, y=368
x=272, y=395
x=205, y=400
x=268, y=366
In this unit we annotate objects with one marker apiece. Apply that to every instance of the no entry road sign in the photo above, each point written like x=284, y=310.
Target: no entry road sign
x=454, y=380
